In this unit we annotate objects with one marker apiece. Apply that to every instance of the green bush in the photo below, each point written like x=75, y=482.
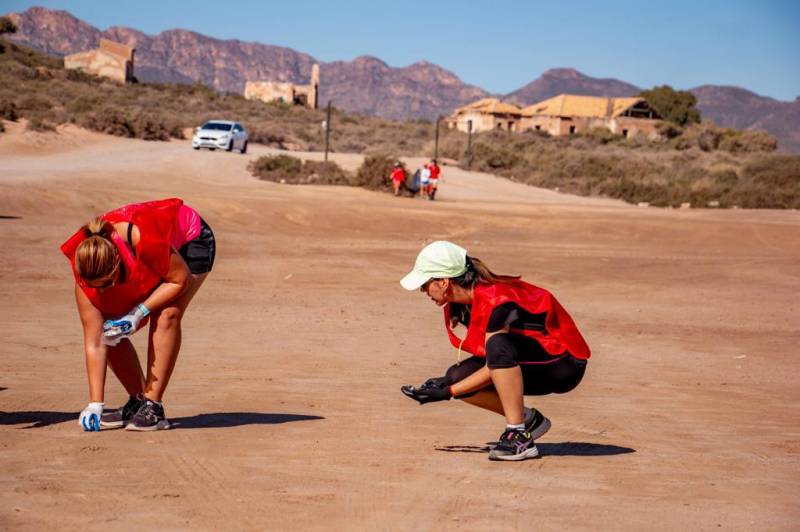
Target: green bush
x=677, y=107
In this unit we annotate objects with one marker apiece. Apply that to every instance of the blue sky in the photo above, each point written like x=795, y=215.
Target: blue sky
x=501, y=46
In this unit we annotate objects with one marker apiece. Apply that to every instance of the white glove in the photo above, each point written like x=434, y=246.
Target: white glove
x=116, y=330
x=89, y=419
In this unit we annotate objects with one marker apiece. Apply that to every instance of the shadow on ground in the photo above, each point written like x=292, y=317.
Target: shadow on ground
x=36, y=419
x=567, y=448
x=236, y=419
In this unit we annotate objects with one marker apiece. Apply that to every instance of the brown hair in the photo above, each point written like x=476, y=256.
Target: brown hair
x=478, y=272
x=97, y=258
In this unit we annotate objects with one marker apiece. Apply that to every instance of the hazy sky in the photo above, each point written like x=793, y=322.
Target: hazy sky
x=500, y=46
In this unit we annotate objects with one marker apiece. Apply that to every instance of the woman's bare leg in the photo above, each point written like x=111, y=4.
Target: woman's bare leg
x=164, y=341
x=486, y=399
x=125, y=364
x=508, y=383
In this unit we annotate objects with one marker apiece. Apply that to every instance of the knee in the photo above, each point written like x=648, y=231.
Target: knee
x=501, y=352
x=170, y=317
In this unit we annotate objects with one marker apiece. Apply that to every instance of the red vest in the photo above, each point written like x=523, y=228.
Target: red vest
x=144, y=270
x=560, y=333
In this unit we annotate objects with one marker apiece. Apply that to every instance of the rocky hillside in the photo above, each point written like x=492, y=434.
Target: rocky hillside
x=368, y=85
x=742, y=109
x=365, y=85
x=569, y=81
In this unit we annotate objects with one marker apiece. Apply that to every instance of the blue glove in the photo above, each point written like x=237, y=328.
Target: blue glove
x=89, y=419
x=116, y=330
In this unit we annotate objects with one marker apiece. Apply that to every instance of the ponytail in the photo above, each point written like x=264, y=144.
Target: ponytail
x=478, y=273
x=97, y=256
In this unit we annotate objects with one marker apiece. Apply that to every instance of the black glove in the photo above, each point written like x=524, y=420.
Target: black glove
x=435, y=389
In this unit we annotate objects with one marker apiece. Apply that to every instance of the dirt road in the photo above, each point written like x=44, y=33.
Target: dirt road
x=286, y=394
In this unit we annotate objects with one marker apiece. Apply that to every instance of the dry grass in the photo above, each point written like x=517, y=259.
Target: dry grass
x=700, y=164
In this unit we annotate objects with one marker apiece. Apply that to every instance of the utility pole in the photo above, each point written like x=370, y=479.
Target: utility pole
x=327, y=130
x=436, y=144
x=469, y=144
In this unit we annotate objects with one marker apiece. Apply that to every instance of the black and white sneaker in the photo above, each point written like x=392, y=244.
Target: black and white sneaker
x=122, y=416
x=537, y=425
x=514, y=445
x=150, y=416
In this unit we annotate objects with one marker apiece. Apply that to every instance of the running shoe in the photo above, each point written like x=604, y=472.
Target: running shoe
x=122, y=416
x=514, y=445
x=537, y=425
x=150, y=416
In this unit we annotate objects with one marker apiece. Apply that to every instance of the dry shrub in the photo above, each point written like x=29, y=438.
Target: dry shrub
x=39, y=124
x=293, y=171
x=375, y=172
x=8, y=111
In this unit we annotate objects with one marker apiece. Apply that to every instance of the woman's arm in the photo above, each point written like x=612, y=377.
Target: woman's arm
x=478, y=380
x=175, y=283
x=94, y=349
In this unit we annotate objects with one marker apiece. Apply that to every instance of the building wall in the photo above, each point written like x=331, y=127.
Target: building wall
x=483, y=122
x=270, y=91
x=561, y=125
x=101, y=63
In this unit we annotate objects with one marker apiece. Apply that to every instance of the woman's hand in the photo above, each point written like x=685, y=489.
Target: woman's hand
x=90, y=417
x=116, y=330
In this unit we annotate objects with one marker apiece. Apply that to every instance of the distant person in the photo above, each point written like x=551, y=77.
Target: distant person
x=522, y=340
x=425, y=180
x=140, y=262
x=433, y=183
x=398, y=177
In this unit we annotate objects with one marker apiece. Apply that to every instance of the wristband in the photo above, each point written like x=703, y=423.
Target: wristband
x=144, y=311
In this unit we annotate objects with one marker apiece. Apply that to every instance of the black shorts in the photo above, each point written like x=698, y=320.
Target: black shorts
x=199, y=253
x=542, y=373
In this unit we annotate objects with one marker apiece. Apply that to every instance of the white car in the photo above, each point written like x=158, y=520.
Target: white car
x=222, y=134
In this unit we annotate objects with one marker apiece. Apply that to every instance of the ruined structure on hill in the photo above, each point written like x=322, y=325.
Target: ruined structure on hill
x=485, y=115
x=270, y=91
x=564, y=114
x=112, y=60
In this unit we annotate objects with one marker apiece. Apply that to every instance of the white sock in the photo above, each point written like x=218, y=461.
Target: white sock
x=519, y=427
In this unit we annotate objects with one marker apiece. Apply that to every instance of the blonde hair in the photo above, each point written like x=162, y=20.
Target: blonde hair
x=97, y=258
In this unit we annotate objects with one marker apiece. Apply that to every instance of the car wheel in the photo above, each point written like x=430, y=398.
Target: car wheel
x=212, y=149
x=196, y=147
x=244, y=148
x=230, y=146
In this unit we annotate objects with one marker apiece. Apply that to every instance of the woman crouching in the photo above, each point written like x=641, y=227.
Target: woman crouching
x=522, y=340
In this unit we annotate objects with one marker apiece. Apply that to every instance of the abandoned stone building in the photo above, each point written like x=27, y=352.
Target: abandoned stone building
x=566, y=114
x=486, y=115
x=112, y=60
x=271, y=91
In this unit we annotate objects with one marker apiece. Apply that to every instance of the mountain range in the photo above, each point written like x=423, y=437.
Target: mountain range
x=366, y=84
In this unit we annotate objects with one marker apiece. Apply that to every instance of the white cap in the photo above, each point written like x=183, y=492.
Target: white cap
x=437, y=260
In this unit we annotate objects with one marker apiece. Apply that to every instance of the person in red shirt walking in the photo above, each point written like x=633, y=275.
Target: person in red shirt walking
x=433, y=182
x=522, y=340
x=398, y=178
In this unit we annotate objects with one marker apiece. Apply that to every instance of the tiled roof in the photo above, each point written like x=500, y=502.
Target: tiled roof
x=491, y=106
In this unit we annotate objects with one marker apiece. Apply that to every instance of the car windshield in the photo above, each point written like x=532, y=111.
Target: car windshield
x=218, y=126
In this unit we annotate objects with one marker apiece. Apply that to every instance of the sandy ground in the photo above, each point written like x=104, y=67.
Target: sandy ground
x=286, y=394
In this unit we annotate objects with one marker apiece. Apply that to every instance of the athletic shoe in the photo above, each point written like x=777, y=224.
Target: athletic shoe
x=514, y=445
x=122, y=416
x=150, y=416
x=537, y=425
